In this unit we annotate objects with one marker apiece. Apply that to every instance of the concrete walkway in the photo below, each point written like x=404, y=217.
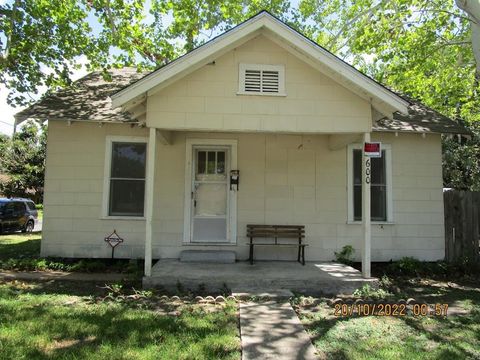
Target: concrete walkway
x=272, y=330
x=60, y=275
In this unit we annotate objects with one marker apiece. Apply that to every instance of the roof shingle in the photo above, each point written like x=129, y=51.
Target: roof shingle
x=88, y=99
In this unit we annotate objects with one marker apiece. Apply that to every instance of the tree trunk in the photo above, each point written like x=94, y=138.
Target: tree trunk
x=472, y=8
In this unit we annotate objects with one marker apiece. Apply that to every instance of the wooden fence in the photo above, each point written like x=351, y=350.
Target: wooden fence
x=462, y=225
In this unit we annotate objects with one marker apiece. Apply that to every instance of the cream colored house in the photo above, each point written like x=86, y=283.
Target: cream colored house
x=150, y=156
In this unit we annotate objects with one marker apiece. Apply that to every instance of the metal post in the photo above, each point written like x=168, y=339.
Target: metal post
x=366, y=212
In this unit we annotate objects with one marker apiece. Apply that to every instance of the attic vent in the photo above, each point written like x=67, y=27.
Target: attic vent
x=256, y=79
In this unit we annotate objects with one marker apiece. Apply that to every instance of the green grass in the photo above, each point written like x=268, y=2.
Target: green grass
x=20, y=245
x=22, y=252
x=37, y=322
x=40, y=214
x=456, y=336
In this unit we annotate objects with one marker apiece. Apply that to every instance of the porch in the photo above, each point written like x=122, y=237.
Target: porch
x=282, y=182
x=313, y=278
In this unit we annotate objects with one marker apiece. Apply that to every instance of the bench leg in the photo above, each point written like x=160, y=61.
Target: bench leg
x=251, y=254
x=298, y=257
x=303, y=255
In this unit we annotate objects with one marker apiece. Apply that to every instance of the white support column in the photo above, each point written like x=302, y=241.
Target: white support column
x=366, y=213
x=149, y=191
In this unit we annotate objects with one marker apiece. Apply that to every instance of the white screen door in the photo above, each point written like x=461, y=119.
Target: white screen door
x=210, y=200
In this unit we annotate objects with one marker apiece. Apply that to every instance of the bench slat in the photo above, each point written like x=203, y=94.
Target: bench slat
x=273, y=244
x=264, y=233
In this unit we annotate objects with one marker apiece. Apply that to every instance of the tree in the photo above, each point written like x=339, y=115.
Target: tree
x=23, y=159
x=42, y=41
x=427, y=50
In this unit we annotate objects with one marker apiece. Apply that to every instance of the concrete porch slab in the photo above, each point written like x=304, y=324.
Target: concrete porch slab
x=314, y=278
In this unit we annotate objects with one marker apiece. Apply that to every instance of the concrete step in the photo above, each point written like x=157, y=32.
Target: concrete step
x=247, y=293
x=208, y=256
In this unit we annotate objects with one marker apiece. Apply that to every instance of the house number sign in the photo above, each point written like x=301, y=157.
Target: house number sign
x=113, y=240
x=367, y=170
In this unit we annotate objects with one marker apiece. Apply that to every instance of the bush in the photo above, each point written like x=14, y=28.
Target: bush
x=39, y=206
x=345, y=256
x=407, y=266
x=367, y=291
x=83, y=265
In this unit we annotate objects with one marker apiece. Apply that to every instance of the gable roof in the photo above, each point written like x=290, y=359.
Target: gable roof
x=87, y=99
x=92, y=98
x=385, y=100
x=74, y=104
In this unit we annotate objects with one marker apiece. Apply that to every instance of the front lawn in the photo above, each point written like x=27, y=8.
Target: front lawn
x=20, y=245
x=22, y=252
x=47, y=320
x=455, y=336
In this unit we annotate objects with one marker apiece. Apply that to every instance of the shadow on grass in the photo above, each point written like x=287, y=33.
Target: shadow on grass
x=45, y=327
x=20, y=248
x=451, y=337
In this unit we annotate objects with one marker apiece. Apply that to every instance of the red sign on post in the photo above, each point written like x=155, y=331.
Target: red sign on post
x=372, y=149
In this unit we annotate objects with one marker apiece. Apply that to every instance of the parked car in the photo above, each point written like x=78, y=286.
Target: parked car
x=17, y=214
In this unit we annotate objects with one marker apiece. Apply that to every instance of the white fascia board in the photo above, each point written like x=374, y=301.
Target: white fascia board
x=338, y=66
x=191, y=61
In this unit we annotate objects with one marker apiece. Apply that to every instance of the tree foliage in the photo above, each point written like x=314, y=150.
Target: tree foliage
x=42, y=41
x=23, y=159
x=424, y=49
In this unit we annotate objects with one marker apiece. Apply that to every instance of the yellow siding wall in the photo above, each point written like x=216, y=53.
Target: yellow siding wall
x=207, y=99
x=284, y=179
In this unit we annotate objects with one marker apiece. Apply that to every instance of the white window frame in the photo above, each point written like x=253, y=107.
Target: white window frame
x=388, y=174
x=107, y=171
x=190, y=145
x=262, y=67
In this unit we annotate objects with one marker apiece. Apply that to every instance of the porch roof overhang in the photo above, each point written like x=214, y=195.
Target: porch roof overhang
x=383, y=99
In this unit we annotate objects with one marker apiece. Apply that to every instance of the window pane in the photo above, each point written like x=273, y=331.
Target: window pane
x=378, y=170
x=379, y=203
x=211, y=162
x=31, y=205
x=357, y=203
x=128, y=160
x=19, y=206
x=221, y=162
x=378, y=187
x=201, y=160
x=127, y=197
x=357, y=166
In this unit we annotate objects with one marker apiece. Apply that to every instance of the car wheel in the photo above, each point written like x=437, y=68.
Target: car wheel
x=29, y=227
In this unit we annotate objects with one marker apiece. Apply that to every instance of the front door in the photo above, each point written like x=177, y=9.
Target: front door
x=210, y=194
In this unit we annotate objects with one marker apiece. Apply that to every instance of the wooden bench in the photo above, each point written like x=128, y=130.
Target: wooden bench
x=277, y=232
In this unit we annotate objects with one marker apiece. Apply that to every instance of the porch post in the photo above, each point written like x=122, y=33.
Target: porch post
x=366, y=211
x=149, y=189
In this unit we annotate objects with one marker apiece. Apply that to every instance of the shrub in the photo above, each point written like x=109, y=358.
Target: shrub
x=345, y=256
x=367, y=291
x=408, y=266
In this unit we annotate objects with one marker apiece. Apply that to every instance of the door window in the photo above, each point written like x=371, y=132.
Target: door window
x=210, y=195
